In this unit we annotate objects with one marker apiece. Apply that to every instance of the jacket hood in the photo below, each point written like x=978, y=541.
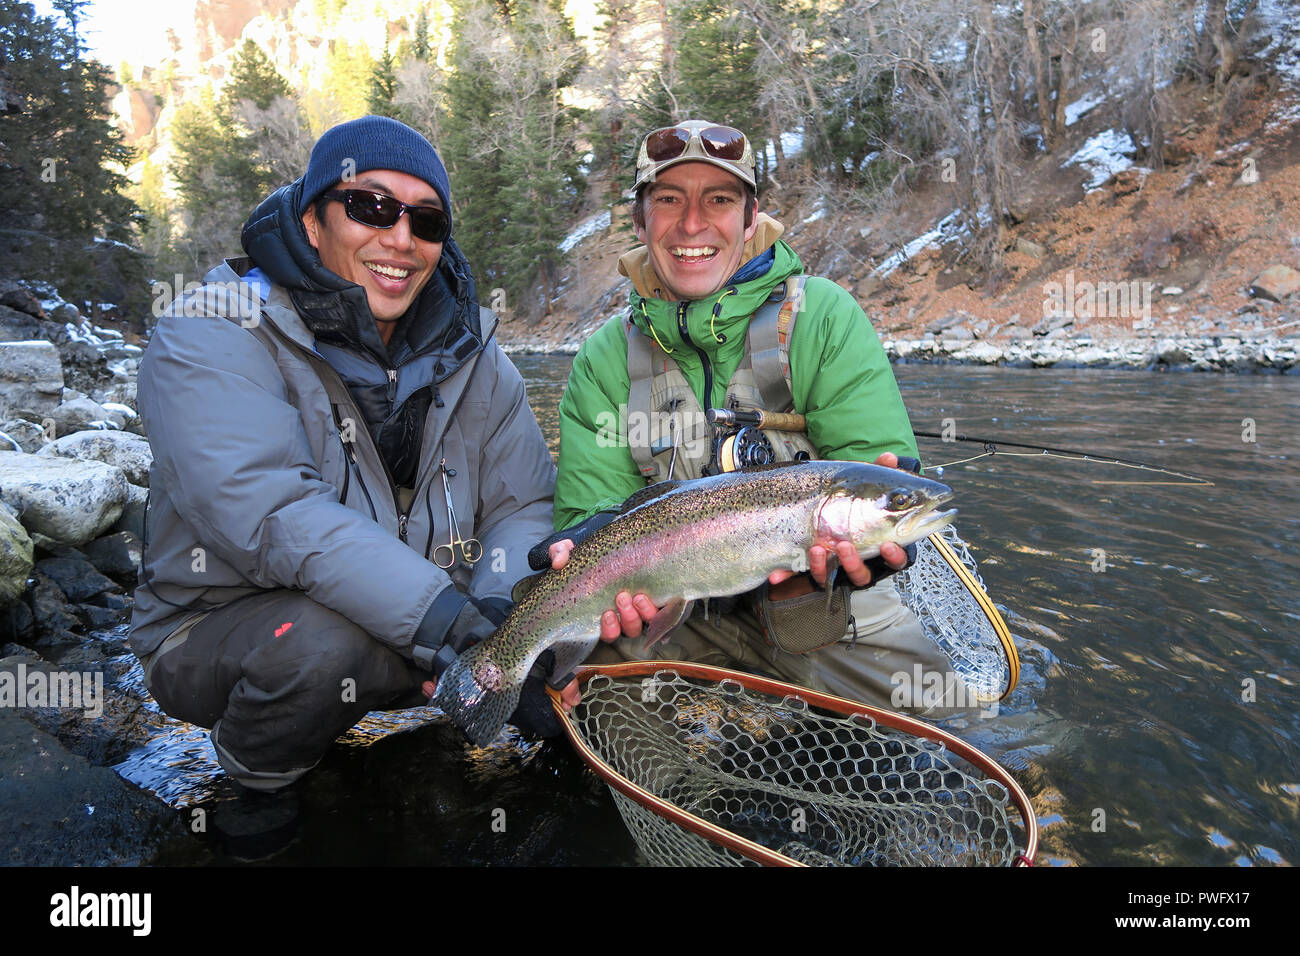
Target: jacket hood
x=636, y=264
x=336, y=310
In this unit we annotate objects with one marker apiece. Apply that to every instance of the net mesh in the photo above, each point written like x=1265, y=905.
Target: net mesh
x=953, y=618
x=817, y=787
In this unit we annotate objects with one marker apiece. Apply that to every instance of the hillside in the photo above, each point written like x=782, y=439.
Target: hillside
x=1154, y=254
x=1174, y=254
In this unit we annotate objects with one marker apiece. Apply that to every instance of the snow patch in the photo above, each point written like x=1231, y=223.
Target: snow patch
x=1277, y=20
x=791, y=145
x=1074, y=111
x=946, y=230
x=82, y=333
x=819, y=210
x=1102, y=156
x=597, y=223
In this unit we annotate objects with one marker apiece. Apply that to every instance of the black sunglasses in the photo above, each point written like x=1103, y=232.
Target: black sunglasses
x=382, y=212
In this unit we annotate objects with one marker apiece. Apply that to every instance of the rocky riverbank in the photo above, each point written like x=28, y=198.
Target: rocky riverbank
x=1227, y=353
x=74, y=475
x=1261, y=336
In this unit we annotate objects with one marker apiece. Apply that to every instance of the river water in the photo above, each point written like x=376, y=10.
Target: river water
x=1156, y=719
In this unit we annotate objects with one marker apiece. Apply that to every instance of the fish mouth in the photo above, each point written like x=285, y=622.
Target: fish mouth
x=922, y=524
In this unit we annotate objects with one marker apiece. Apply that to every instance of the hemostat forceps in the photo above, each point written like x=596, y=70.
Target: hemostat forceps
x=471, y=549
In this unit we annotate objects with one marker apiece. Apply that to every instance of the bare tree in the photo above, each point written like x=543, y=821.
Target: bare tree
x=283, y=140
x=421, y=97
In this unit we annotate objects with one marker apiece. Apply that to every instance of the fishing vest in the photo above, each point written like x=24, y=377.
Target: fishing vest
x=667, y=432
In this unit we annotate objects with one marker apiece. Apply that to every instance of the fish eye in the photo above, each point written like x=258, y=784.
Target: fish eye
x=900, y=499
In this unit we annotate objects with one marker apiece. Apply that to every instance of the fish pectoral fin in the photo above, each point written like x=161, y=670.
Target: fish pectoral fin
x=832, y=566
x=663, y=623
x=568, y=657
x=524, y=585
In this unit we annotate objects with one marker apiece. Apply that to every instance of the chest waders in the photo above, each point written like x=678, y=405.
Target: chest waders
x=668, y=433
x=670, y=437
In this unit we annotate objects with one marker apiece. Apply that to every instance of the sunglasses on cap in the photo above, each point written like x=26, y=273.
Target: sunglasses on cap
x=696, y=139
x=382, y=212
x=720, y=142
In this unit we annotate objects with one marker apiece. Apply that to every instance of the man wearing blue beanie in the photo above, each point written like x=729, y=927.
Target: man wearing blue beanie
x=347, y=476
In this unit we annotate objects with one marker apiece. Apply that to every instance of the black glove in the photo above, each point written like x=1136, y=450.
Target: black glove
x=879, y=569
x=478, y=619
x=539, y=558
x=534, y=717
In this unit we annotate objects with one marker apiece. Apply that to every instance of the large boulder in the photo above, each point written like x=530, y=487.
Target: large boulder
x=31, y=379
x=28, y=436
x=54, y=617
x=124, y=450
x=19, y=297
x=69, y=500
x=18, y=326
x=77, y=578
x=122, y=393
x=132, y=520
x=1276, y=283
x=15, y=557
x=80, y=413
x=117, y=555
x=62, y=811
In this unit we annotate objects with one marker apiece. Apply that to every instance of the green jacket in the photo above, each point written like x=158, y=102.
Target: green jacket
x=840, y=376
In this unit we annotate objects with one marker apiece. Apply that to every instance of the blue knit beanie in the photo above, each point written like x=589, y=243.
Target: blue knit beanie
x=372, y=142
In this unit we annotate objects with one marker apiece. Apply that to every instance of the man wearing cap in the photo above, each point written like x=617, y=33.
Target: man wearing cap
x=346, y=471
x=721, y=314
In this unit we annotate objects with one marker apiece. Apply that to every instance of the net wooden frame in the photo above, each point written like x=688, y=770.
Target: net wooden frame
x=670, y=834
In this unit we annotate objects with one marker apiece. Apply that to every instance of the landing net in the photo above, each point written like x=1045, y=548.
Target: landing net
x=714, y=767
x=944, y=590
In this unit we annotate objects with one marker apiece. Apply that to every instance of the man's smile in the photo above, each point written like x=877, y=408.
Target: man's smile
x=392, y=272
x=694, y=253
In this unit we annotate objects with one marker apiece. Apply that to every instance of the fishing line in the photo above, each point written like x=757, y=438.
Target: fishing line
x=1065, y=454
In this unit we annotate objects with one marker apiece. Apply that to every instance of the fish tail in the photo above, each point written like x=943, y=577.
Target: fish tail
x=474, y=693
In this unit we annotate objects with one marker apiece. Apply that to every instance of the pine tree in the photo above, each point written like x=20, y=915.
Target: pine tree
x=511, y=140
x=716, y=48
x=420, y=49
x=224, y=157
x=620, y=78
x=347, y=80
x=252, y=77
x=64, y=217
x=383, y=87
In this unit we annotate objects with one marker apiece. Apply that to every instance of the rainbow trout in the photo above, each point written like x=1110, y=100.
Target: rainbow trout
x=679, y=541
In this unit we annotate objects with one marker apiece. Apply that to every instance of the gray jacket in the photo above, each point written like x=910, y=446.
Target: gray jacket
x=253, y=486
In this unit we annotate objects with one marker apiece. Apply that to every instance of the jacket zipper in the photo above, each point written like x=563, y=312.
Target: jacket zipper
x=403, y=517
x=704, y=359
x=351, y=452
